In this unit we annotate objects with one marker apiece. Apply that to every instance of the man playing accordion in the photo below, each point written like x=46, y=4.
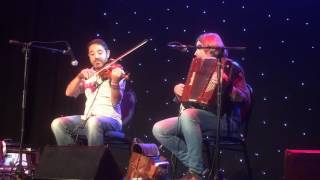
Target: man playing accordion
x=182, y=135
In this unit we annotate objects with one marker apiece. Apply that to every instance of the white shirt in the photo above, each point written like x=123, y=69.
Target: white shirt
x=98, y=94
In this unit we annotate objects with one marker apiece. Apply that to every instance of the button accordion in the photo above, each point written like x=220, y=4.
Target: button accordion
x=199, y=87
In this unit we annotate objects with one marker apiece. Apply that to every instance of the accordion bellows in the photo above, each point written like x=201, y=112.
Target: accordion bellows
x=200, y=85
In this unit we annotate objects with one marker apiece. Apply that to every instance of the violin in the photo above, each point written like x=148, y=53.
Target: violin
x=105, y=73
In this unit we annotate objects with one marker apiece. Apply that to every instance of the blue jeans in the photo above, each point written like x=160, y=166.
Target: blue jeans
x=183, y=135
x=66, y=128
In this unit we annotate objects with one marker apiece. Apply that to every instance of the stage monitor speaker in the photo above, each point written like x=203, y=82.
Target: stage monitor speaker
x=77, y=162
x=302, y=165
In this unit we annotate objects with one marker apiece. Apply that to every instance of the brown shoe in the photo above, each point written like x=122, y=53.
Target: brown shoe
x=191, y=176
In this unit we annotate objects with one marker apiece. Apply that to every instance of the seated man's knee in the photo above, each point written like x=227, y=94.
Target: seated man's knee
x=56, y=123
x=189, y=115
x=93, y=122
x=157, y=129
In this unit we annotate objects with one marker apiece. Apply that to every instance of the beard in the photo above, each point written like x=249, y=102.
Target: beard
x=98, y=64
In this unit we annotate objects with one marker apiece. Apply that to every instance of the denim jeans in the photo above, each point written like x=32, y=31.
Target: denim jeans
x=183, y=135
x=65, y=129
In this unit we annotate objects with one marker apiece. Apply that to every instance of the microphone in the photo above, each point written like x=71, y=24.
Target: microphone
x=69, y=52
x=185, y=48
x=178, y=46
x=15, y=42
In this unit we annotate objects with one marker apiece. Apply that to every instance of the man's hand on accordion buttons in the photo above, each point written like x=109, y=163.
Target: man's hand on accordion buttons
x=236, y=95
x=178, y=89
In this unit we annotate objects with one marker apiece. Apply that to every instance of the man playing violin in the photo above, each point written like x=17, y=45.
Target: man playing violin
x=103, y=97
x=182, y=135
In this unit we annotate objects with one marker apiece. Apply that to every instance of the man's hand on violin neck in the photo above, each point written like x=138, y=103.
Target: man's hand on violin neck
x=86, y=74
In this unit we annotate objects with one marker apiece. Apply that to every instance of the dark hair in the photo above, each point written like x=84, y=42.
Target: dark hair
x=100, y=42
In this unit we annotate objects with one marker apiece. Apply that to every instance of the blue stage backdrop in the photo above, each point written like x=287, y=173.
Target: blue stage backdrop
x=281, y=64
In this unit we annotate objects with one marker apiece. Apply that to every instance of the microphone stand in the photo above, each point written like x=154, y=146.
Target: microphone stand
x=26, y=49
x=216, y=158
x=217, y=174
